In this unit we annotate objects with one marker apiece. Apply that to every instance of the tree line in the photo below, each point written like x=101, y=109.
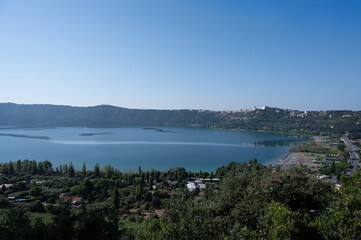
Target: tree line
x=251, y=201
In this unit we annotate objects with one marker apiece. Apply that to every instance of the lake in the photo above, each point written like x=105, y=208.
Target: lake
x=127, y=148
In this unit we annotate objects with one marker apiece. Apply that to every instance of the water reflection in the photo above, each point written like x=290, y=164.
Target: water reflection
x=278, y=143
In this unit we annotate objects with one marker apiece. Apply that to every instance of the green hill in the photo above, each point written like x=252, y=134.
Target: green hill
x=265, y=119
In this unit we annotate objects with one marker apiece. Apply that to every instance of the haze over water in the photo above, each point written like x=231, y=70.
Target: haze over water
x=127, y=148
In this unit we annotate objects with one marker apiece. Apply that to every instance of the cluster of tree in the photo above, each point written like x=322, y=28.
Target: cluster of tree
x=99, y=116
x=255, y=202
x=17, y=223
x=97, y=186
x=251, y=202
x=30, y=167
x=314, y=148
x=268, y=119
x=283, y=120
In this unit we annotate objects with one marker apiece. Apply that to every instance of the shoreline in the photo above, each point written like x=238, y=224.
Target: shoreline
x=289, y=161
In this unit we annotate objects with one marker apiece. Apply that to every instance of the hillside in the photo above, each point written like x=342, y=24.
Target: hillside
x=264, y=119
x=98, y=116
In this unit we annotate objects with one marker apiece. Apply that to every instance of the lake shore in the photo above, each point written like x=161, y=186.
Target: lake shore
x=289, y=161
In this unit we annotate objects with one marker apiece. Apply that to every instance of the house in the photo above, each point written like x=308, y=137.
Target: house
x=73, y=199
x=75, y=202
x=6, y=186
x=201, y=186
x=171, y=183
x=23, y=204
x=211, y=179
x=63, y=195
x=17, y=195
x=191, y=186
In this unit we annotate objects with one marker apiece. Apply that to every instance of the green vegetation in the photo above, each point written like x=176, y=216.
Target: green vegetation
x=267, y=119
x=251, y=201
x=330, y=154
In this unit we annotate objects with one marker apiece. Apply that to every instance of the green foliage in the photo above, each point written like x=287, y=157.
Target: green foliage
x=313, y=148
x=280, y=221
x=15, y=224
x=343, y=219
x=36, y=206
x=268, y=119
x=295, y=189
x=4, y=203
x=115, y=198
x=251, y=201
x=71, y=170
x=83, y=170
x=35, y=191
x=96, y=170
x=27, y=167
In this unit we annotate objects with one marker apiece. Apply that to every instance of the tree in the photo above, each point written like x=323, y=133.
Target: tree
x=18, y=166
x=33, y=168
x=115, y=198
x=36, y=206
x=147, y=176
x=65, y=169
x=71, y=170
x=97, y=170
x=4, y=203
x=16, y=225
x=280, y=222
x=35, y=191
x=92, y=224
x=83, y=170
x=342, y=220
x=11, y=168
x=4, y=169
x=138, y=193
x=47, y=166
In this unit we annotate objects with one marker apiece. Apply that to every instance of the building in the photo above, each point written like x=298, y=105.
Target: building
x=17, y=195
x=191, y=186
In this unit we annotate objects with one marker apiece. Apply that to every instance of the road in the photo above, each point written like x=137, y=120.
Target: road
x=354, y=157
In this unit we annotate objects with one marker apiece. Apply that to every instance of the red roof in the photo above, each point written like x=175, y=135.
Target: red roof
x=73, y=199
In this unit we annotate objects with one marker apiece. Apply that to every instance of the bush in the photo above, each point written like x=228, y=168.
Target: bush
x=36, y=206
x=35, y=191
x=4, y=203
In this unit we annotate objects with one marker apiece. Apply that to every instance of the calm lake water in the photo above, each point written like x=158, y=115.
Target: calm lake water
x=127, y=148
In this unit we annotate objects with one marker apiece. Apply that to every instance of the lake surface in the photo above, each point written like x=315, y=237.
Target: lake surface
x=127, y=148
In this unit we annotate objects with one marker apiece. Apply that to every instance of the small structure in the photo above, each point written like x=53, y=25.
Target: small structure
x=211, y=179
x=321, y=177
x=6, y=185
x=76, y=202
x=63, y=195
x=23, y=204
x=191, y=186
x=201, y=186
x=16, y=195
x=171, y=183
x=197, y=185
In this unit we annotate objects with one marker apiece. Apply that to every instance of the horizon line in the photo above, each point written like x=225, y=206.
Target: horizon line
x=179, y=109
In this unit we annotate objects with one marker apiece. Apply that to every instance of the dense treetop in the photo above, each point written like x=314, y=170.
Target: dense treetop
x=251, y=201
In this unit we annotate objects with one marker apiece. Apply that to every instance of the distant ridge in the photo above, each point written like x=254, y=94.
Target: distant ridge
x=258, y=119
x=46, y=115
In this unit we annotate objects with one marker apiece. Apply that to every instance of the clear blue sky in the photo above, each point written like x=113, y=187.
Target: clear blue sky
x=167, y=54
